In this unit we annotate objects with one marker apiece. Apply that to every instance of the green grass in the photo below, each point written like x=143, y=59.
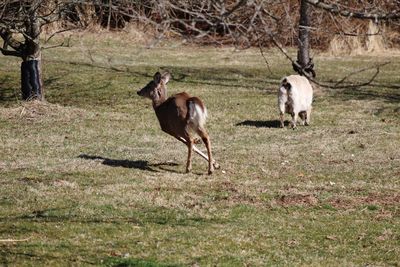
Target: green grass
x=89, y=178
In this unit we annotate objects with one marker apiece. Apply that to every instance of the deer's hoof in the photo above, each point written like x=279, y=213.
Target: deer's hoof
x=197, y=141
x=216, y=165
x=210, y=171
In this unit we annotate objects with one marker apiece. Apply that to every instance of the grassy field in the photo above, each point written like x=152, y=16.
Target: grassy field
x=88, y=178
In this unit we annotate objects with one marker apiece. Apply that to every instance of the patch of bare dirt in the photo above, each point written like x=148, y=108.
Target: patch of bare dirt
x=383, y=200
x=297, y=200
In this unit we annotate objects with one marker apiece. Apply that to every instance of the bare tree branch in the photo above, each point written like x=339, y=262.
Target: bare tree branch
x=336, y=85
x=265, y=58
x=10, y=52
x=335, y=9
x=9, y=40
x=376, y=66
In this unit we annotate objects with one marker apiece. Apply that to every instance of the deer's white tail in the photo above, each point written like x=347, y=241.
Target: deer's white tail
x=197, y=115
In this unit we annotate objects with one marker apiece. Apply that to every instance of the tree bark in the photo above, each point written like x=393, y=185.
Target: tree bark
x=31, y=80
x=29, y=51
x=31, y=85
x=304, y=64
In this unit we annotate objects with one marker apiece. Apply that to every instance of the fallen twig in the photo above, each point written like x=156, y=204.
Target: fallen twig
x=13, y=240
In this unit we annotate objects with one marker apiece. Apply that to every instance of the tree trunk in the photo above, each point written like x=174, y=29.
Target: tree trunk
x=29, y=51
x=31, y=78
x=31, y=82
x=304, y=64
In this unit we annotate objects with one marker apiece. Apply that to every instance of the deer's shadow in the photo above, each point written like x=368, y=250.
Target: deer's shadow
x=134, y=164
x=263, y=124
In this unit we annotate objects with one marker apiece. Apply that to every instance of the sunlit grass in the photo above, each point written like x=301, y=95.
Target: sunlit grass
x=89, y=178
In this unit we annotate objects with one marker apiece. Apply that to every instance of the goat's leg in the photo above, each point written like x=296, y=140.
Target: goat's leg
x=294, y=119
x=308, y=116
x=303, y=117
x=206, y=139
x=281, y=115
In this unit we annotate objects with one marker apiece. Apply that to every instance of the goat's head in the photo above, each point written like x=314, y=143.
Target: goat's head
x=156, y=88
x=285, y=84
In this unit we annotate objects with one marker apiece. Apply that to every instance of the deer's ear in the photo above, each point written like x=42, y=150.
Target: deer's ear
x=157, y=77
x=165, y=78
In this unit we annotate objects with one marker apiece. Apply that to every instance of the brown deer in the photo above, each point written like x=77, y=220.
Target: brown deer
x=181, y=116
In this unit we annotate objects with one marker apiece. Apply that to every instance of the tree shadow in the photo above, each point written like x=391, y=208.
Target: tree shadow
x=50, y=81
x=211, y=76
x=140, y=216
x=224, y=77
x=7, y=92
x=391, y=94
x=263, y=124
x=41, y=257
x=134, y=164
x=376, y=90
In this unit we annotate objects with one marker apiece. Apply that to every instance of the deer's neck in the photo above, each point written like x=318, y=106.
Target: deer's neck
x=160, y=98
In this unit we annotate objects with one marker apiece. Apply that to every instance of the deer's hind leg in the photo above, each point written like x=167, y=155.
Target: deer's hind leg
x=206, y=139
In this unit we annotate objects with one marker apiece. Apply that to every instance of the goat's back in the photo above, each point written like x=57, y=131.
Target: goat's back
x=299, y=89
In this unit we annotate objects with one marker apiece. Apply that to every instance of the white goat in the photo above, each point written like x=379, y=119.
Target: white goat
x=295, y=98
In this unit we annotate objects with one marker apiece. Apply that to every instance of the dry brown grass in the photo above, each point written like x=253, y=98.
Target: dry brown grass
x=90, y=178
x=374, y=43
x=37, y=111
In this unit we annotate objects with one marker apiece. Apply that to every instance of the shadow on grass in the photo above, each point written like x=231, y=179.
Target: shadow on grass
x=138, y=216
x=210, y=76
x=262, y=124
x=247, y=78
x=134, y=164
x=7, y=92
x=133, y=262
x=40, y=258
x=386, y=92
x=229, y=77
x=115, y=261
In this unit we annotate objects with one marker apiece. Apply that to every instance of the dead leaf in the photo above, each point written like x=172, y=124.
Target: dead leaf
x=331, y=237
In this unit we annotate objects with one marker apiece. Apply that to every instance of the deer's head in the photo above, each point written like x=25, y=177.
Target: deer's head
x=156, y=89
